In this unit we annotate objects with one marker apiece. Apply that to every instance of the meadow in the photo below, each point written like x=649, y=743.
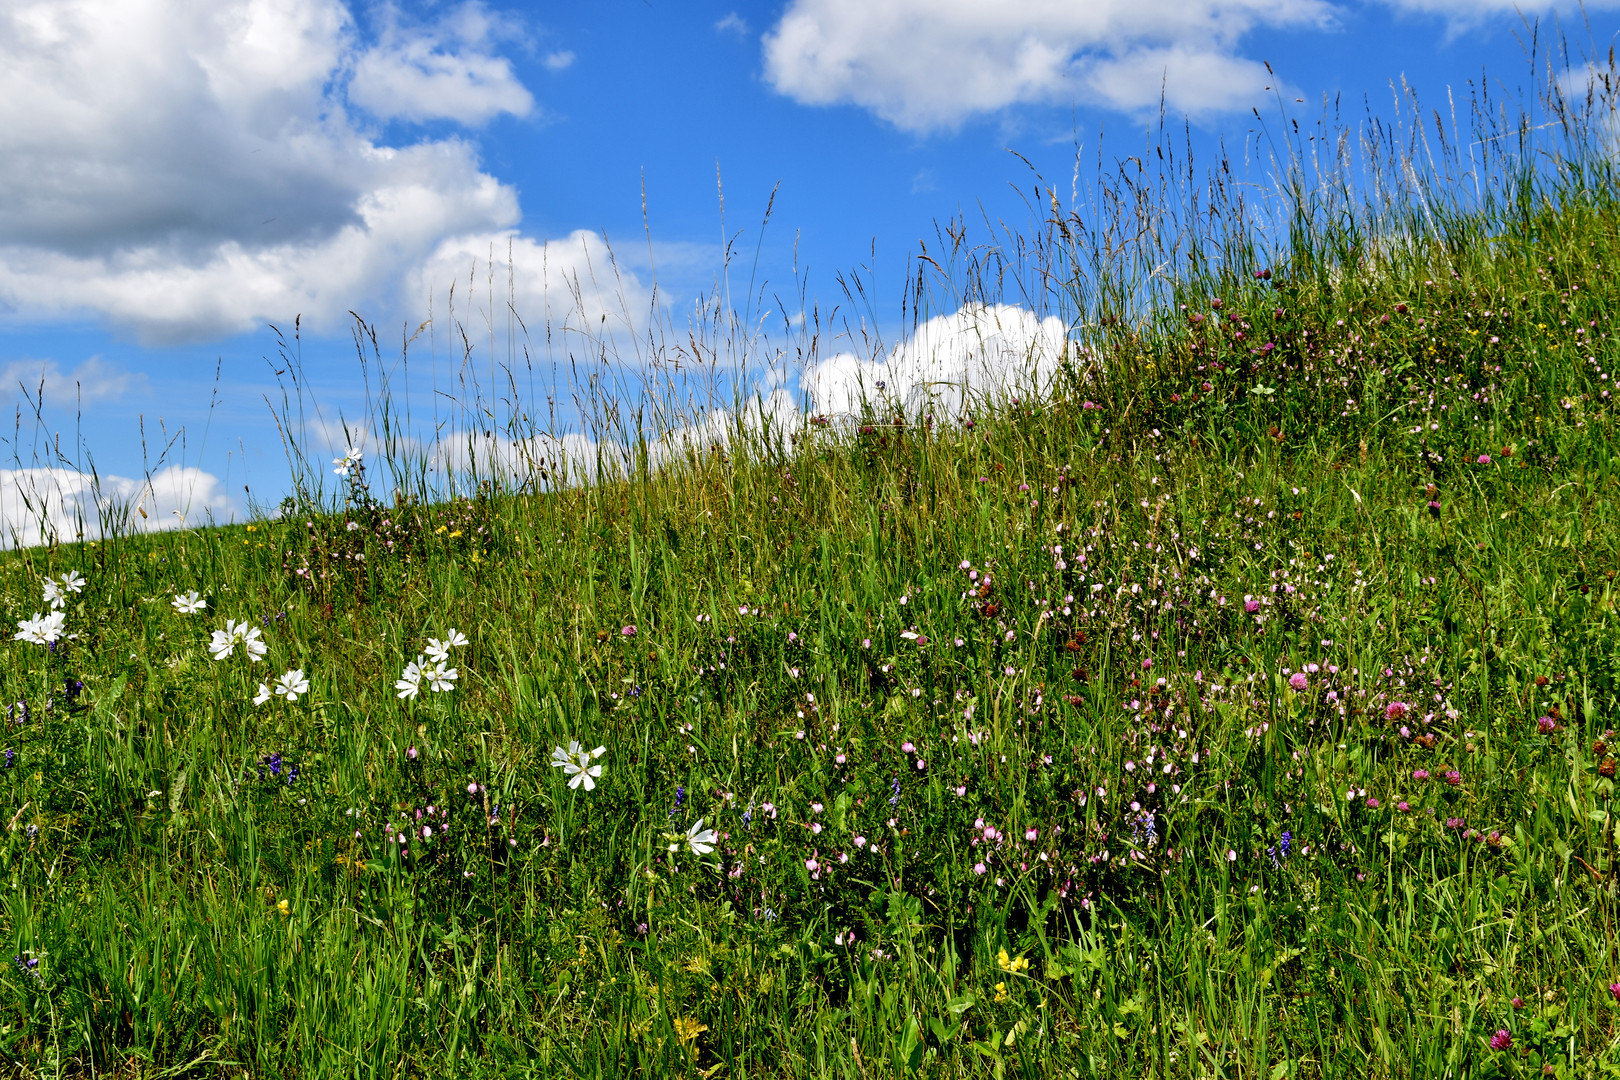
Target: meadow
x=1241, y=704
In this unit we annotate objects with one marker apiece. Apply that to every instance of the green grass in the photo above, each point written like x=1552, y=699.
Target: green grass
x=1078, y=866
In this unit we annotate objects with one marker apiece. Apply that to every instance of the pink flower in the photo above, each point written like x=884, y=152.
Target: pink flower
x=907, y=748
x=1501, y=1040
x=1453, y=777
x=629, y=631
x=1420, y=774
x=1251, y=606
x=978, y=868
x=1030, y=834
x=1614, y=991
x=811, y=865
x=1483, y=459
x=1518, y=1002
x=1396, y=710
x=1299, y=681
x=1546, y=725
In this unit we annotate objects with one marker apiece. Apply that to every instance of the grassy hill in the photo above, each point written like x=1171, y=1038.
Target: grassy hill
x=1241, y=707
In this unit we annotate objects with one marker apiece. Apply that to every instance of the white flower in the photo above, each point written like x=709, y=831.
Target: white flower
x=188, y=603
x=54, y=594
x=439, y=650
x=41, y=629
x=263, y=695
x=224, y=642
x=576, y=763
x=441, y=678
x=699, y=839
x=348, y=461
x=72, y=582
x=410, y=680
x=291, y=684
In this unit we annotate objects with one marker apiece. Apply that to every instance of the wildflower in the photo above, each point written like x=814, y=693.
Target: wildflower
x=1299, y=681
x=54, y=595
x=410, y=754
x=343, y=465
x=1503, y=1038
x=441, y=678
x=1453, y=777
x=1518, y=1002
x=409, y=683
x=701, y=841
x=283, y=906
x=439, y=650
x=575, y=762
x=188, y=603
x=41, y=629
x=628, y=631
x=225, y=641
x=1395, y=710
x=1614, y=990
x=291, y=684
x=1484, y=459
x=1420, y=774
x=1546, y=725
x=263, y=695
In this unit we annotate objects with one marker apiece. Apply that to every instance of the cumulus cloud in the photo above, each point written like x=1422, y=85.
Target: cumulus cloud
x=953, y=362
x=92, y=380
x=41, y=505
x=444, y=71
x=187, y=170
x=928, y=64
x=575, y=282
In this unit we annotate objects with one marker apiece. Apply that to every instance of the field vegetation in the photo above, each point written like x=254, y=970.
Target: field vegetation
x=1240, y=703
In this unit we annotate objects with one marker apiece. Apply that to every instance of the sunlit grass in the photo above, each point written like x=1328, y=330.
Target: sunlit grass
x=1242, y=710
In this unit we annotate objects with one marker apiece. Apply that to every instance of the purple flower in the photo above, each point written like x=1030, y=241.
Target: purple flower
x=1372, y=804
x=1420, y=774
x=1453, y=777
x=1299, y=681
x=1395, y=710
x=1251, y=605
x=1485, y=459
x=1518, y=1002
x=1546, y=725
x=1501, y=1040
x=629, y=631
x=1614, y=991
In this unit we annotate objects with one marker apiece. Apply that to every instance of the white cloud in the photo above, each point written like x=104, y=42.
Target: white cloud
x=574, y=283
x=561, y=60
x=41, y=505
x=186, y=170
x=440, y=72
x=92, y=380
x=928, y=64
x=733, y=23
x=952, y=363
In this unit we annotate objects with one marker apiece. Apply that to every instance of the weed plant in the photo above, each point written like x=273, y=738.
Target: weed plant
x=1242, y=705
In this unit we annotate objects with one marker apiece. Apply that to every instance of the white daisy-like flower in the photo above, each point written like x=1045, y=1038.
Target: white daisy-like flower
x=441, y=678
x=55, y=595
x=41, y=629
x=263, y=695
x=561, y=757
x=72, y=582
x=438, y=649
x=254, y=643
x=579, y=769
x=292, y=683
x=188, y=603
x=347, y=462
x=409, y=683
x=701, y=841
x=224, y=642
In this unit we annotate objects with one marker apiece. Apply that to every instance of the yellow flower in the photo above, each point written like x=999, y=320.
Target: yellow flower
x=687, y=1030
x=1001, y=991
x=284, y=907
x=455, y=534
x=1006, y=963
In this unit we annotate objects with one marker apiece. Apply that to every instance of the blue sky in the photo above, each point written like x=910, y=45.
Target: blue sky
x=176, y=177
